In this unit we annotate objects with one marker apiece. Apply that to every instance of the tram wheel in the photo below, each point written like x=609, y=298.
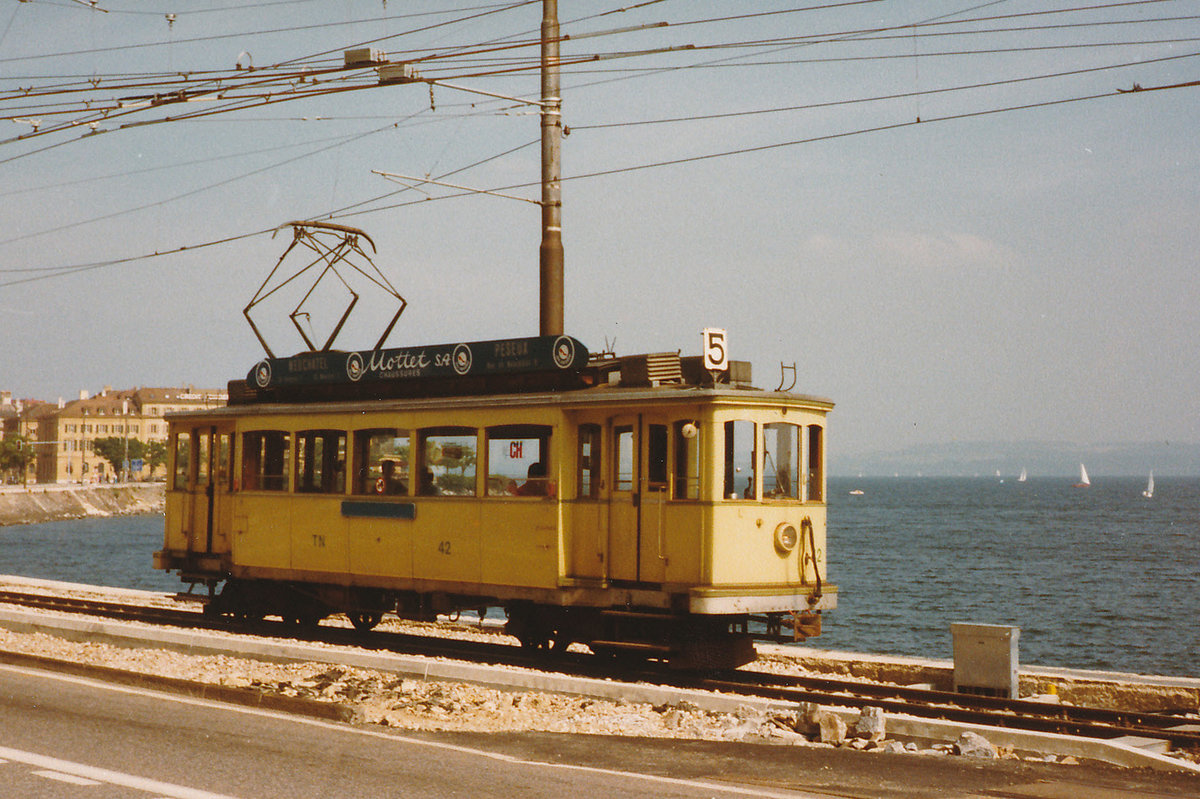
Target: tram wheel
x=534, y=640
x=303, y=621
x=365, y=621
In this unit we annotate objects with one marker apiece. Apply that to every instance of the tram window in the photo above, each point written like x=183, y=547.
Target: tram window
x=265, y=464
x=589, y=462
x=518, y=461
x=656, y=457
x=202, y=440
x=381, y=458
x=321, y=461
x=447, y=464
x=623, y=447
x=224, y=476
x=183, y=460
x=816, y=463
x=781, y=460
x=740, y=460
x=687, y=461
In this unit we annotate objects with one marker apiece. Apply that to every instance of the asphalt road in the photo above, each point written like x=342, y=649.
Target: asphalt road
x=64, y=736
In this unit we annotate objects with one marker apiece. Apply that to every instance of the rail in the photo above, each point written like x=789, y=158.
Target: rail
x=1089, y=722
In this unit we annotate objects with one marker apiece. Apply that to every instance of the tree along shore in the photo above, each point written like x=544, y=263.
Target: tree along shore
x=51, y=503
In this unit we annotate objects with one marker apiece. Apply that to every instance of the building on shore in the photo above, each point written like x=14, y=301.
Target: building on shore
x=17, y=420
x=62, y=433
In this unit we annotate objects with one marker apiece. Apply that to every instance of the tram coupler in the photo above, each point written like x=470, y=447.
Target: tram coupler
x=805, y=624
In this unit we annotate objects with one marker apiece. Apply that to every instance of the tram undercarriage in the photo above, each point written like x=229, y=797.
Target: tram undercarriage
x=685, y=641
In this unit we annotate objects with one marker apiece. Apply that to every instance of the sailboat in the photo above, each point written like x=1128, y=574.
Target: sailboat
x=1084, y=482
x=1024, y=476
x=1149, y=492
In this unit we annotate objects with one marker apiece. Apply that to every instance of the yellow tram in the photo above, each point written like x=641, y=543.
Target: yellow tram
x=638, y=505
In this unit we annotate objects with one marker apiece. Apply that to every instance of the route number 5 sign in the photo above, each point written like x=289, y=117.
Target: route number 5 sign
x=716, y=353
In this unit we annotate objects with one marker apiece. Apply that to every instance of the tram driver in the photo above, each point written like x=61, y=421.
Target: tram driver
x=389, y=483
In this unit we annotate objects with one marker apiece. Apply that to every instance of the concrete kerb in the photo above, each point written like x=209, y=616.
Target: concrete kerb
x=247, y=697
x=192, y=642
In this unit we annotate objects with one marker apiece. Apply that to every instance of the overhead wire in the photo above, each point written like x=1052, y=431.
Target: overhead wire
x=238, y=177
x=511, y=65
x=52, y=272
x=47, y=273
x=883, y=97
x=245, y=34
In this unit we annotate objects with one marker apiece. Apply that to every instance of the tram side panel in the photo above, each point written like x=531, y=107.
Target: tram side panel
x=380, y=546
x=586, y=541
x=683, y=543
x=262, y=535
x=519, y=541
x=446, y=540
x=318, y=535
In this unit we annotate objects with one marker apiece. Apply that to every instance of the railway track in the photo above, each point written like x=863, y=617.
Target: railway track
x=1088, y=722
x=391, y=641
x=1097, y=723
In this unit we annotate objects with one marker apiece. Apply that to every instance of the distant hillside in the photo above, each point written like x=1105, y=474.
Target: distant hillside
x=1040, y=458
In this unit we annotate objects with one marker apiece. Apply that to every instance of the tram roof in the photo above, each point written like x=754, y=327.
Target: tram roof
x=584, y=397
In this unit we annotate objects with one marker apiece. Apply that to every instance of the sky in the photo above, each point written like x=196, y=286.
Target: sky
x=950, y=216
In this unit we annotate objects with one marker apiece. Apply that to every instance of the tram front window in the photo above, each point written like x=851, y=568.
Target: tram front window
x=740, y=460
x=265, y=460
x=382, y=459
x=518, y=461
x=816, y=463
x=781, y=460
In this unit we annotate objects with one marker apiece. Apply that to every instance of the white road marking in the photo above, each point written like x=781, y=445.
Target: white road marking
x=81, y=774
x=718, y=788
x=71, y=778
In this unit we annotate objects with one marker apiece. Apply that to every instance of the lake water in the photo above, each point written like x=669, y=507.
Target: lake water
x=1097, y=578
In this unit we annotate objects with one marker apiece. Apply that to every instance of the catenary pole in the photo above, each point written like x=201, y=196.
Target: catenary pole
x=551, y=253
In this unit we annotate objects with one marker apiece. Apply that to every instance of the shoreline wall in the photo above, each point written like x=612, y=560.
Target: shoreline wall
x=57, y=503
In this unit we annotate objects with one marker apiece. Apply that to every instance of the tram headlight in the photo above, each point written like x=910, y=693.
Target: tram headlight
x=689, y=430
x=786, y=538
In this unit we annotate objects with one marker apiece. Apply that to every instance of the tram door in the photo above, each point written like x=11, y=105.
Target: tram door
x=639, y=492
x=211, y=512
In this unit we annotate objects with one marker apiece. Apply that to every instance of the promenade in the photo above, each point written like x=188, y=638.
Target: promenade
x=54, y=502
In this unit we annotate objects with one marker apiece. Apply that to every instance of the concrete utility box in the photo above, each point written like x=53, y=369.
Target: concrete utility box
x=985, y=659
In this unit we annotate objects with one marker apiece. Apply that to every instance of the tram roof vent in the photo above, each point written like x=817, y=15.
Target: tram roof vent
x=738, y=375
x=654, y=369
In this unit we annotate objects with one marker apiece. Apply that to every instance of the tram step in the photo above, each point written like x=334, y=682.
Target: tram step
x=633, y=614
x=632, y=646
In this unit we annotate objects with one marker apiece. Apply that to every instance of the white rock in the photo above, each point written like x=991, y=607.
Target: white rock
x=870, y=724
x=808, y=718
x=832, y=729
x=971, y=744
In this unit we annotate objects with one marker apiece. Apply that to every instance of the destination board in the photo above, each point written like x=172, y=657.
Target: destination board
x=503, y=356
